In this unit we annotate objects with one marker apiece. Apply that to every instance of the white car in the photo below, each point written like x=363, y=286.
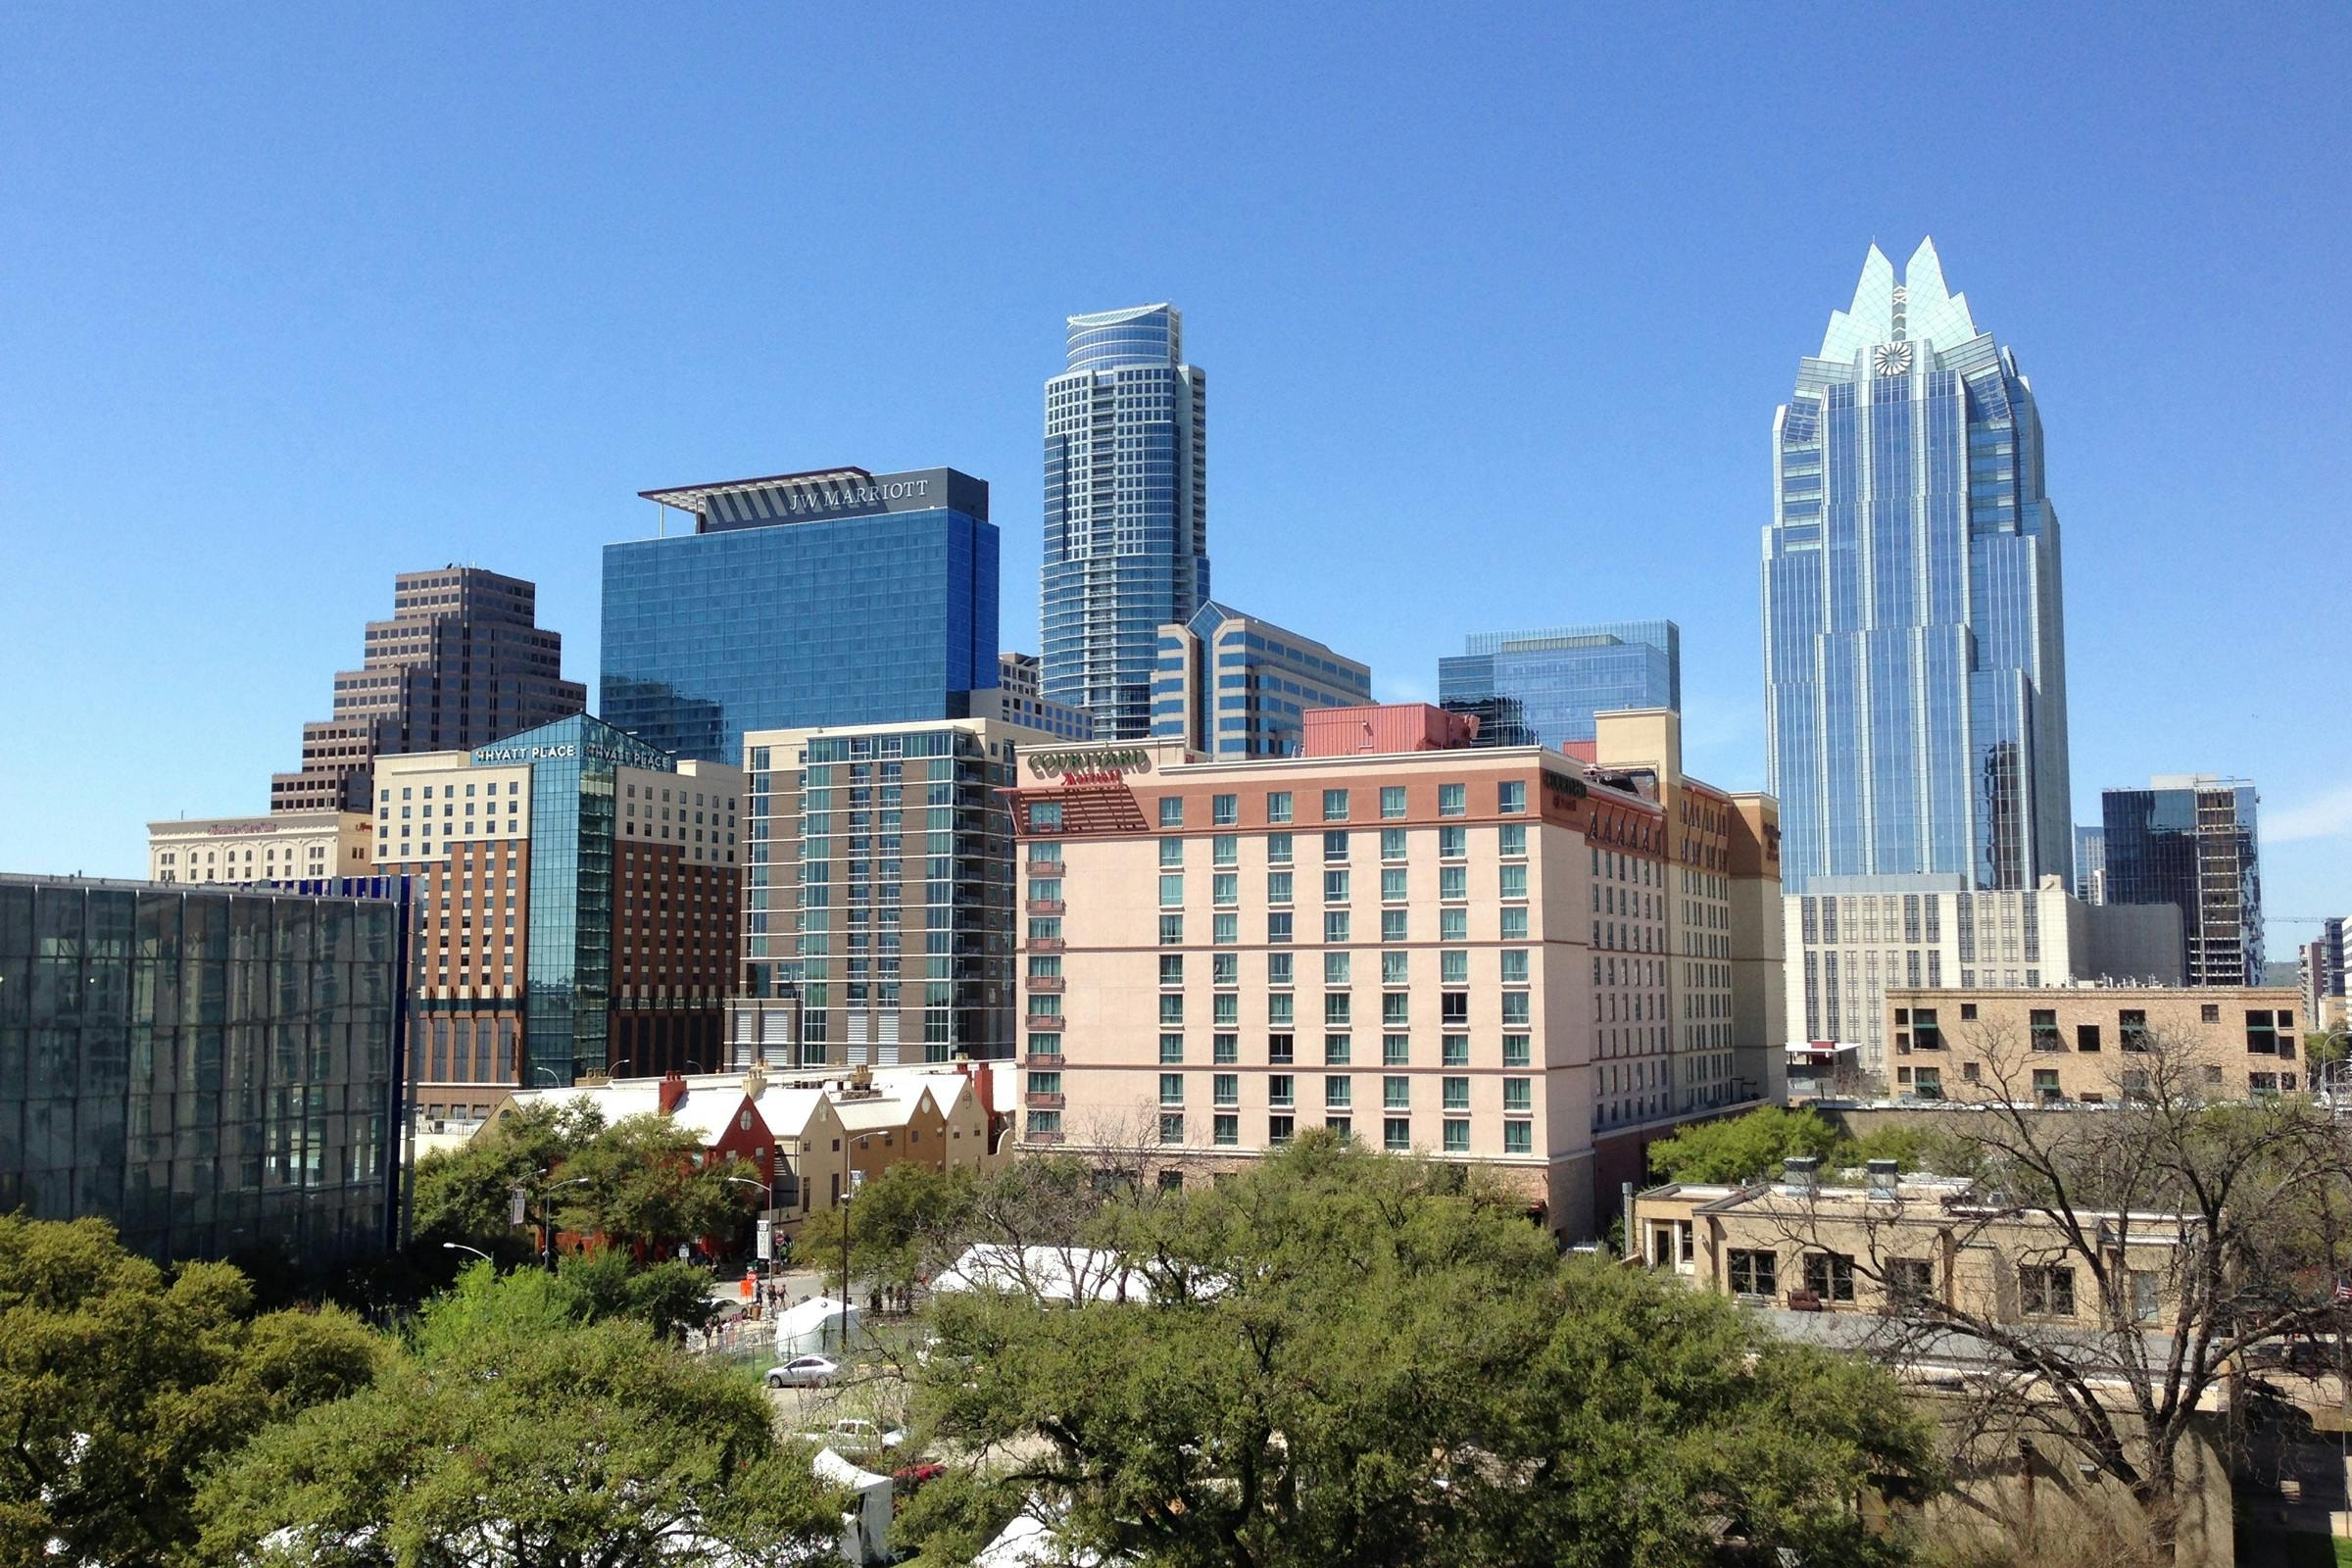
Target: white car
x=803, y=1372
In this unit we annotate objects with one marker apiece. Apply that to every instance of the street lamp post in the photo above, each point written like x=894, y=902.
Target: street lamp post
x=461, y=1247
x=767, y=1194
x=547, y=1222
x=846, y=1143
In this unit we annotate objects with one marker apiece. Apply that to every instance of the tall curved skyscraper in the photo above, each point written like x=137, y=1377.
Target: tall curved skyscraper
x=1914, y=646
x=1126, y=548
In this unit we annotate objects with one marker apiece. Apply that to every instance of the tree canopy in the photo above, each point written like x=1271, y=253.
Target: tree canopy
x=1737, y=1148
x=119, y=1382
x=1751, y=1147
x=1352, y=1358
x=640, y=1184
x=906, y=1223
x=515, y=1436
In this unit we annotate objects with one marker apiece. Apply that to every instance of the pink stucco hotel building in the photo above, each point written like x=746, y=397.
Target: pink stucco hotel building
x=1481, y=954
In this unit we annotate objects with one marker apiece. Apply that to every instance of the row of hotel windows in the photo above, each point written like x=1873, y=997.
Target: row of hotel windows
x=1338, y=1007
x=1225, y=930
x=1338, y=1050
x=1225, y=1131
x=1225, y=887
x=1225, y=849
x=1225, y=811
x=1339, y=1092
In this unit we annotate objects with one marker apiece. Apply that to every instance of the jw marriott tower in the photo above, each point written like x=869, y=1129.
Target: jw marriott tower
x=1126, y=511
x=1914, y=651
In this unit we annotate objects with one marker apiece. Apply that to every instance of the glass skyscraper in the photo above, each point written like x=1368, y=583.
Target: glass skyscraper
x=1233, y=686
x=2189, y=840
x=1541, y=688
x=1914, y=654
x=834, y=597
x=1126, y=548
x=214, y=1070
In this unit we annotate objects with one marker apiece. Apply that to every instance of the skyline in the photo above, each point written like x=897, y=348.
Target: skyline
x=272, y=393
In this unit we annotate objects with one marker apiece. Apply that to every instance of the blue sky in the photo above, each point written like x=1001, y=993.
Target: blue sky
x=1495, y=302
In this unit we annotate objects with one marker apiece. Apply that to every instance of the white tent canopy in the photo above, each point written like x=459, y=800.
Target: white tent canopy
x=812, y=1326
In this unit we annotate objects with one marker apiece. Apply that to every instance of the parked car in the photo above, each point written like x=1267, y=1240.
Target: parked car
x=803, y=1372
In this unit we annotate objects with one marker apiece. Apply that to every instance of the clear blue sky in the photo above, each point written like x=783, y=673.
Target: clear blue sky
x=1494, y=302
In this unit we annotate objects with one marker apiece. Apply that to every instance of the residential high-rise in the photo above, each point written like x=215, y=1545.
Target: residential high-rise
x=1915, y=682
x=1559, y=678
x=1458, y=950
x=463, y=661
x=877, y=924
x=577, y=892
x=1233, y=686
x=833, y=597
x=2090, y=863
x=2187, y=840
x=214, y=1070
x=1126, y=511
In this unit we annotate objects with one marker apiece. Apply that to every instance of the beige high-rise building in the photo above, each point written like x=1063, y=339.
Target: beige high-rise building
x=1429, y=947
x=282, y=846
x=1723, y=921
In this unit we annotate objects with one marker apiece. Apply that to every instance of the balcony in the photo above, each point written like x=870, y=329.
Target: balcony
x=1043, y=1101
x=1045, y=945
x=1045, y=982
x=1038, y=1135
x=1044, y=906
x=1044, y=1023
x=1046, y=1059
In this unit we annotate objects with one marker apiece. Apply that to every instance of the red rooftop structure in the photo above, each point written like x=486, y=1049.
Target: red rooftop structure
x=1383, y=730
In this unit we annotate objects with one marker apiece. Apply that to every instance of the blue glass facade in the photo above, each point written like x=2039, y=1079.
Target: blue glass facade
x=1126, y=511
x=790, y=606
x=1543, y=687
x=1915, y=683
x=1233, y=686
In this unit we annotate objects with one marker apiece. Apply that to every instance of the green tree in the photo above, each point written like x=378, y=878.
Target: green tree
x=1352, y=1358
x=668, y=1297
x=646, y=1186
x=503, y=1440
x=1737, y=1148
x=905, y=1224
x=465, y=1195
x=1657, y=1423
x=119, y=1383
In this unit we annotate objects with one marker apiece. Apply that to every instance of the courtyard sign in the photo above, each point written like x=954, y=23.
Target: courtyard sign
x=1090, y=767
